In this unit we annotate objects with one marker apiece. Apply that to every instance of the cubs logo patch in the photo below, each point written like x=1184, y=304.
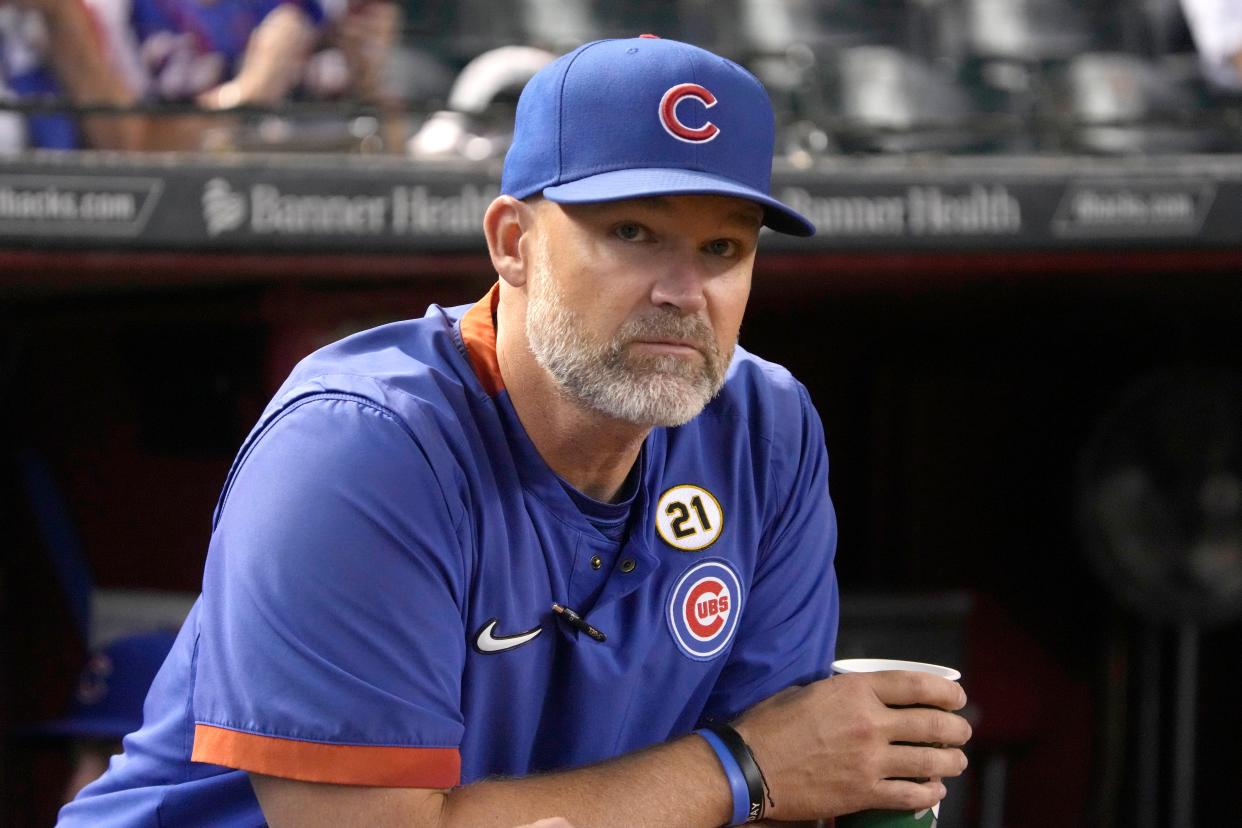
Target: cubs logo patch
x=672, y=122
x=704, y=608
x=689, y=517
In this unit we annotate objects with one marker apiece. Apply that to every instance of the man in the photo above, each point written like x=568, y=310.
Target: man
x=221, y=55
x=53, y=49
x=497, y=564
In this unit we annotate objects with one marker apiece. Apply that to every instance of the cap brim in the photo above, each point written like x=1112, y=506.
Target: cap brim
x=645, y=183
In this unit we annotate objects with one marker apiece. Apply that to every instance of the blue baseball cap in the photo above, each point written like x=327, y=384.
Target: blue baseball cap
x=621, y=119
x=112, y=688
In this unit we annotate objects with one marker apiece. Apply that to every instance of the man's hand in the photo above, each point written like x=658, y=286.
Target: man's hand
x=827, y=749
x=272, y=64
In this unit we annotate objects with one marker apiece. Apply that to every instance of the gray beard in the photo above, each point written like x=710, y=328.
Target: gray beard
x=649, y=390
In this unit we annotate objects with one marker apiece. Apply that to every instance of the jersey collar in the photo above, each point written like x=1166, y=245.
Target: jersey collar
x=478, y=337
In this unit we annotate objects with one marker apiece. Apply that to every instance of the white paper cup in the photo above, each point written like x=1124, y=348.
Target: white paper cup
x=879, y=665
x=891, y=819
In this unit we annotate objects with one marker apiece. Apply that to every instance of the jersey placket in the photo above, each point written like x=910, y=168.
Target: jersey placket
x=626, y=569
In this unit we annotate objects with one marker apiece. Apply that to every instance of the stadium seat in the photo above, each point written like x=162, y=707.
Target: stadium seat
x=1026, y=31
x=890, y=101
x=1122, y=103
x=466, y=128
x=1008, y=50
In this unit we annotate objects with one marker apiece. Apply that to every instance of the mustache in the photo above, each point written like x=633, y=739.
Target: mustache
x=670, y=324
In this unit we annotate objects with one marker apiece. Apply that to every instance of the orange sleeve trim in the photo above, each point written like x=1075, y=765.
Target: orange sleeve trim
x=384, y=767
x=478, y=334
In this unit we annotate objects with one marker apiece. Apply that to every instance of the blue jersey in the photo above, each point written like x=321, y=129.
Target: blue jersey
x=376, y=608
x=176, y=49
x=26, y=74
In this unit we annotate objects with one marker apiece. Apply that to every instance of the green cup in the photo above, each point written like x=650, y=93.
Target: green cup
x=891, y=819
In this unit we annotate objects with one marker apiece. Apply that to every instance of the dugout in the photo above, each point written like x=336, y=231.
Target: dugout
x=963, y=326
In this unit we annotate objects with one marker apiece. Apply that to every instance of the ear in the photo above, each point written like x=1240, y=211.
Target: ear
x=506, y=221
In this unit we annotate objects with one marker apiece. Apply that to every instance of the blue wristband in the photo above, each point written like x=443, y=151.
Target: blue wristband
x=737, y=781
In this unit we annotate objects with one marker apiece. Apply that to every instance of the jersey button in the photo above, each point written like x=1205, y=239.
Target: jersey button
x=596, y=562
x=628, y=565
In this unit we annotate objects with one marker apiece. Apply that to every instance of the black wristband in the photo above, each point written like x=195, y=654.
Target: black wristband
x=750, y=768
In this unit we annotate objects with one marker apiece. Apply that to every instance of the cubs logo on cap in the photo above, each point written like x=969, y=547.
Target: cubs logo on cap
x=643, y=117
x=704, y=609
x=674, y=126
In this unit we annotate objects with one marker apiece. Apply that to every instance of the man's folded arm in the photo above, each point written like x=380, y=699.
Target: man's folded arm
x=679, y=783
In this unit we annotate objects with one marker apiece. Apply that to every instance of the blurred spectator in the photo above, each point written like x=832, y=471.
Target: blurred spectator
x=54, y=49
x=108, y=703
x=220, y=54
x=1216, y=26
x=352, y=61
x=367, y=33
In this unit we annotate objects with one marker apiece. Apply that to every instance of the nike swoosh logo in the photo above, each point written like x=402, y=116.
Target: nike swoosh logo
x=487, y=643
